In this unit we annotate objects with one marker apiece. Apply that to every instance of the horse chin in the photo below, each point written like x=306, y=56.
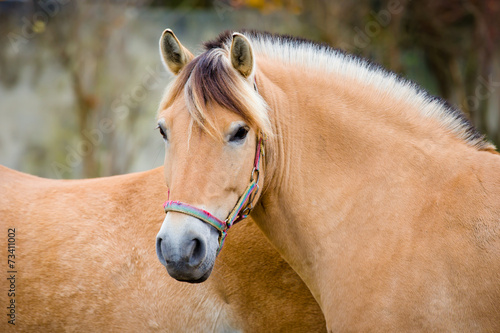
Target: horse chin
x=200, y=280
x=198, y=275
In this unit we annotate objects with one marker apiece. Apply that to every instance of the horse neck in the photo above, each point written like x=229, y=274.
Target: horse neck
x=338, y=144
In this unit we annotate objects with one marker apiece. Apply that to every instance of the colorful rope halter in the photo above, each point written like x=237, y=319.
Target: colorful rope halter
x=240, y=211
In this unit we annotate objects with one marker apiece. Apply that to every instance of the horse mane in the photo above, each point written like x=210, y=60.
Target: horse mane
x=227, y=89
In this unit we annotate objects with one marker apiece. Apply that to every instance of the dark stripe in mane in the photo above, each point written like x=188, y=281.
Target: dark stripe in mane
x=209, y=79
x=225, y=38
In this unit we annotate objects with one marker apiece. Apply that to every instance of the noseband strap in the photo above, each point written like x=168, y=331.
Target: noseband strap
x=240, y=211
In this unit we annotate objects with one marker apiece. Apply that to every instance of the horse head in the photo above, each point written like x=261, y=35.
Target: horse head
x=213, y=122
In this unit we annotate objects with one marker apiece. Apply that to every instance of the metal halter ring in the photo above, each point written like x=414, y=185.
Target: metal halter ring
x=252, y=176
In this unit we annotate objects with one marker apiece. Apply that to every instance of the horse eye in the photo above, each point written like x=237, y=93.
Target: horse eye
x=240, y=134
x=162, y=132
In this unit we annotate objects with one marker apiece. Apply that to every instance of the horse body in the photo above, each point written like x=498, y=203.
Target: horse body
x=384, y=200
x=85, y=261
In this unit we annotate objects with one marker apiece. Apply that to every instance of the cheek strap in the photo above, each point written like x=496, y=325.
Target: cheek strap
x=241, y=210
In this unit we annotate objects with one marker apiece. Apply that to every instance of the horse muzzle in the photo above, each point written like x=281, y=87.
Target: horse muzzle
x=187, y=247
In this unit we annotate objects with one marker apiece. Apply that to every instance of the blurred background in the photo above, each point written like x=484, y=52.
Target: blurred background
x=80, y=81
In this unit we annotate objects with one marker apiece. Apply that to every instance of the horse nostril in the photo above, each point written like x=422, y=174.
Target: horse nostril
x=159, y=251
x=196, y=252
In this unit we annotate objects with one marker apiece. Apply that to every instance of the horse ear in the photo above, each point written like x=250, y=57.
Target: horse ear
x=242, y=55
x=173, y=54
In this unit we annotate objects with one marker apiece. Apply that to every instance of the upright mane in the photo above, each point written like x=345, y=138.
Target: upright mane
x=210, y=79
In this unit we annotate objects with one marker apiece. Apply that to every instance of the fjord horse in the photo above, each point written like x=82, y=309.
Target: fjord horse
x=85, y=262
x=384, y=199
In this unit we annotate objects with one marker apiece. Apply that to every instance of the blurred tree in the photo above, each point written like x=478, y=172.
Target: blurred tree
x=66, y=32
x=85, y=60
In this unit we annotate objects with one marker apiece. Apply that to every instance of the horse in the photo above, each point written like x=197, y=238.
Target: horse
x=384, y=199
x=84, y=261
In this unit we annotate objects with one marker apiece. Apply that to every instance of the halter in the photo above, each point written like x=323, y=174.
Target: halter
x=240, y=211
